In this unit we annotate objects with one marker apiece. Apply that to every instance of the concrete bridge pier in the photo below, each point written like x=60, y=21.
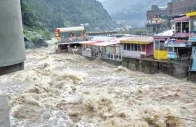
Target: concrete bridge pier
x=12, y=49
x=4, y=112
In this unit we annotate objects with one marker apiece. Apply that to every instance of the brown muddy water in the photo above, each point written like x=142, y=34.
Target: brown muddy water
x=65, y=90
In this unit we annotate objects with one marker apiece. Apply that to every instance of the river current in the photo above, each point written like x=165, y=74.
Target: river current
x=66, y=90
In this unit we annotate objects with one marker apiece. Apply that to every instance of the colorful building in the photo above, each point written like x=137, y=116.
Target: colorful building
x=178, y=49
x=192, y=39
x=175, y=8
x=160, y=51
x=110, y=49
x=137, y=47
x=177, y=46
x=181, y=27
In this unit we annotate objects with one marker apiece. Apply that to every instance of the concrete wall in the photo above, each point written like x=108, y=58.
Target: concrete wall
x=178, y=70
x=192, y=76
x=133, y=54
x=145, y=66
x=112, y=62
x=12, y=50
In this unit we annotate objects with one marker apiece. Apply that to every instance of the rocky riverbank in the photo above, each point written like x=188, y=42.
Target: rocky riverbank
x=34, y=40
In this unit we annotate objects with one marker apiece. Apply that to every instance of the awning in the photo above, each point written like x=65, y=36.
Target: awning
x=67, y=43
x=181, y=19
x=102, y=38
x=113, y=41
x=87, y=42
x=138, y=40
x=71, y=29
x=106, y=43
x=190, y=14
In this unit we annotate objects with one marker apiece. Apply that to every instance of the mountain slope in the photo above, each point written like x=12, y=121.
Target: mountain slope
x=64, y=13
x=133, y=11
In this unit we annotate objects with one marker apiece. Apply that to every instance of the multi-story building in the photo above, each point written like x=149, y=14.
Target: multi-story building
x=158, y=18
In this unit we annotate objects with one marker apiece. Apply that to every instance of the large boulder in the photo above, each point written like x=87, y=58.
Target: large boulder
x=34, y=40
x=28, y=43
x=41, y=43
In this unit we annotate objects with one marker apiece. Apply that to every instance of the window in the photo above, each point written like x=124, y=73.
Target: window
x=125, y=46
x=139, y=48
x=135, y=47
x=193, y=24
x=128, y=46
x=162, y=45
x=157, y=43
x=178, y=27
x=185, y=27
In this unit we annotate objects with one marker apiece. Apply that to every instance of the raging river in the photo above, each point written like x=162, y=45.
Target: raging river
x=66, y=90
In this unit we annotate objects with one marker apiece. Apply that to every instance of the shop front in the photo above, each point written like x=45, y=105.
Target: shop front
x=192, y=39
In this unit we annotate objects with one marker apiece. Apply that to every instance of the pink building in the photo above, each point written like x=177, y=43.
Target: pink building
x=137, y=47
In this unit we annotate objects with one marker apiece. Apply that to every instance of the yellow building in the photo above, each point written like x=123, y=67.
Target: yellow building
x=160, y=51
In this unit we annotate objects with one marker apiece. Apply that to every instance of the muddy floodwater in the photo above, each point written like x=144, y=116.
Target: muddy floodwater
x=66, y=90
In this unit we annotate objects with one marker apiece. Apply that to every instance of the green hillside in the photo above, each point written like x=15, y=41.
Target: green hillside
x=41, y=14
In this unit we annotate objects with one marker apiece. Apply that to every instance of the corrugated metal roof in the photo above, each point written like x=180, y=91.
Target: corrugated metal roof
x=71, y=29
x=138, y=40
x=102, y=38
x=181, y=19
x=113, y=41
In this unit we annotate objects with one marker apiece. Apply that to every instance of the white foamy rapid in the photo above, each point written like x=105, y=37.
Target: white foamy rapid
x=64, y=90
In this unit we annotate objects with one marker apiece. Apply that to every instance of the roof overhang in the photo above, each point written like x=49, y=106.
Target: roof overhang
x=71, y=29
x=138, y=40
x=181, y=19
x=90, y=42
x=191, y=14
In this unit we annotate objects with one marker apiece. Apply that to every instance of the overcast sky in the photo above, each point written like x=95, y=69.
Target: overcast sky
x=100, y=0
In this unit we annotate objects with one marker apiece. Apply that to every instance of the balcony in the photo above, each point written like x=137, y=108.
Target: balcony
x=155, y=21
x=181, y=35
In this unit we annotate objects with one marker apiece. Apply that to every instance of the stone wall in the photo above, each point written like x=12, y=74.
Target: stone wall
x=192, y=76
x=178, y=70
x=112, y=62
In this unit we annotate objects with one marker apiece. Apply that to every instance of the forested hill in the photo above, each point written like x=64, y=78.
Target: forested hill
x=41, y=14
x=132, y=11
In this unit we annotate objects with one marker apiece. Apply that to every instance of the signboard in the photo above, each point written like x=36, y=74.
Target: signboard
x=192, y=36
x=176, y=43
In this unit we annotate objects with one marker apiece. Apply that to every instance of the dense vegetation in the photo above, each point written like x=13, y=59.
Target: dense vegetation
x=50, y=14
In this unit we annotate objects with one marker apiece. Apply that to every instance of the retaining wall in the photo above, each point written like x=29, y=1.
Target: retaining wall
x=178, y=70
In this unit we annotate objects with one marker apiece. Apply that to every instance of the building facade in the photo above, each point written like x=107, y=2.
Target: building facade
x=158, y=18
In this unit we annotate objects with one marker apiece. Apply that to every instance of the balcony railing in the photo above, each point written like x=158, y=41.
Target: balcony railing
x=182, y=35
